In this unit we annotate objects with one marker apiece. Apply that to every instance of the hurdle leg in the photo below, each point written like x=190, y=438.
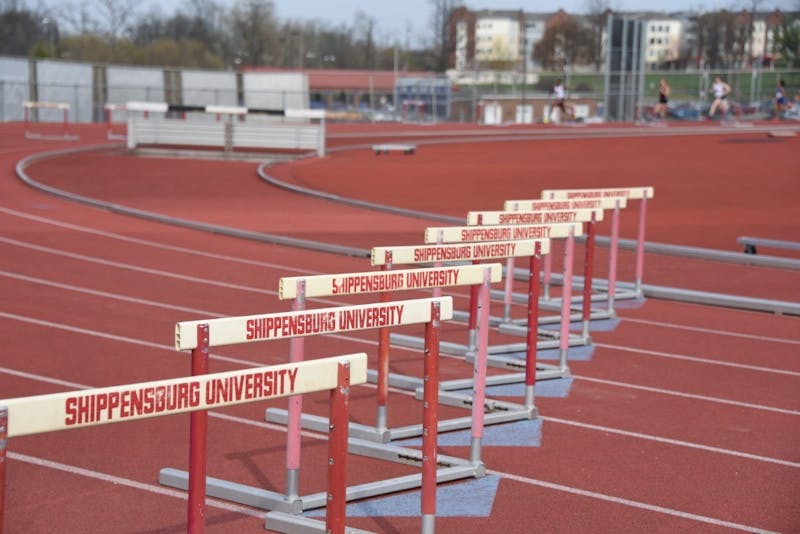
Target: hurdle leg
x=337, y=452
x=3, y=447
x=198, y=441
x=509, y=287
x=382, y=416
x=295, y=409
x=479, y=367
x=612, y=259
x=566, y=298
x=548, y=270
x=588, y=272
x=473, y=319
x=430, y=420
x=533, y=328
x=640, y=247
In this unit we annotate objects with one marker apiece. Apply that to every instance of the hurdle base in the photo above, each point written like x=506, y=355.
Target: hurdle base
x=297, y=524
x=544, y=371
x=449, y=469
x=410, y=383
x=502, y=412
x=416, y=342
x=233, y=492
x=47, y=137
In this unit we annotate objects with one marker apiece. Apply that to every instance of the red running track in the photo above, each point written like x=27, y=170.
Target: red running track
x=685, y=418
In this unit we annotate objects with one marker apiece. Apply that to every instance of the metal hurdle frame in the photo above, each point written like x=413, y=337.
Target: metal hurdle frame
x=49, y=413
x=533, y=249
x=435, y=468
x=109, y=110
x=612, y=204
x=641, y=193
x=590, y=218
x=28, y=106
x=471, y=234
x=477, y=277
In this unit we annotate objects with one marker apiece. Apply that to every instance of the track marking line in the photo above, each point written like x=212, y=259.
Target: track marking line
x=42, y=378
x=628, y=502
x=153, y=244
x=50, y=324
x=698, y=359
x=146, y=270
x=711, y=331
x=670, y=441
x=104, y=294
x=128, y=483
x=688, y=395
x=130, y=267
x=317, y=435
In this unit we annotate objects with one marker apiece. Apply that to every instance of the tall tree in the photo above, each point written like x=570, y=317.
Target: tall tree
x=565, y=42
x=254, y=31
x=597, y=12
x=440, y=19
x=20, y=30
x=787, y=41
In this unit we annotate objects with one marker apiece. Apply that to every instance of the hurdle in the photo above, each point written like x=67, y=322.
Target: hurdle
x=110, y=109
x=385, y=148
x=588, y=216
x=296, y=134
x=31, y=108
x=614, y=204
x=304, y=323
x=25, y=416
x=467, y=234
x=641, y=193
x=476, y=277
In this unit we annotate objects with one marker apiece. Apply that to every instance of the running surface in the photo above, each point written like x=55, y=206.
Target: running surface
x=684, y=419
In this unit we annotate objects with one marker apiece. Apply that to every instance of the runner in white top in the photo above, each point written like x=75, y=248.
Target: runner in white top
x=721, y=91
x=560, y=95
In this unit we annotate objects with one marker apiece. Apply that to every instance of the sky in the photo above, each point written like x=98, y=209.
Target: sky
x=408, y=21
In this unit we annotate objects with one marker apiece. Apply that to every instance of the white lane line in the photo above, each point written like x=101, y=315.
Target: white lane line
x=698, y=359
x=154, y=272
x=370, y=342
x=629, y=502
x=670, y=441
x=130, y=267
x=153, y=244
x=711, y=331
x=688, y=395
x=42, y=378
x=223, y=257
x=128, y=483
x=113, y=337
x=104, y=294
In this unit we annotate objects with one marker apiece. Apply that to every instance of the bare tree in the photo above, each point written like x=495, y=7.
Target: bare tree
x=365, y=36
x=254, y=31
x=115, y=16
x=440, y=19
x=564, y=42
x=597, y=12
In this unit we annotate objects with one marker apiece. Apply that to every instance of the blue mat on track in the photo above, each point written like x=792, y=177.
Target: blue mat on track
x=555, y=388
x=473, y=498
x=527, y=433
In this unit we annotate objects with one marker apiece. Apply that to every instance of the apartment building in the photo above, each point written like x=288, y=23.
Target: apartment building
x=504, y=39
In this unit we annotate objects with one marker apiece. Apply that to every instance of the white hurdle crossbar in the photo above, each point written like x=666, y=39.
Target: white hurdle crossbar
x=386, y=282
x=30, y=108
x=304, y=323
x=641, y=193
x=118, y=404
